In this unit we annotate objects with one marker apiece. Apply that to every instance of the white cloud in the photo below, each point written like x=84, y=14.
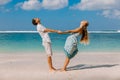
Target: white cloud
x=30, y=5
x=18, y=5
x=3, y=2
x=97, y=4
x=111, y=13
x=4, y=10
x=46, y=4
x=54, y=4
x=110, y=8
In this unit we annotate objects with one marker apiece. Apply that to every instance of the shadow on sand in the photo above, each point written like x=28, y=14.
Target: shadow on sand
x=85, y=66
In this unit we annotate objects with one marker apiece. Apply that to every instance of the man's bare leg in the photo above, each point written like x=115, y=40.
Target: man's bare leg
x=51, y=68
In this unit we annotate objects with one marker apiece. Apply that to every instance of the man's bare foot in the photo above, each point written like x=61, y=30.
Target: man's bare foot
x=52, y=69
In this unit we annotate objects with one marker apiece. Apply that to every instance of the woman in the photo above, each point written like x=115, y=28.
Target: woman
x=70, y=47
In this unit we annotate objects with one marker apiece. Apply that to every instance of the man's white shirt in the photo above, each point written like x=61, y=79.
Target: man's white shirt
x=44, y=35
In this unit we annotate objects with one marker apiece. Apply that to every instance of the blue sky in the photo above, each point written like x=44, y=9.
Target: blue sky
x=60, y=14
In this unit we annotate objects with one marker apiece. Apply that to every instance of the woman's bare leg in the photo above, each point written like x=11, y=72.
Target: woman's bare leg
x=67, y=60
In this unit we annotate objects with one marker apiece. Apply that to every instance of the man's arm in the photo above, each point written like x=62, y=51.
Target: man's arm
x=50, y=30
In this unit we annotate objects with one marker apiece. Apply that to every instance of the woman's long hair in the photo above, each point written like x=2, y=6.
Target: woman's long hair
x=84, y=39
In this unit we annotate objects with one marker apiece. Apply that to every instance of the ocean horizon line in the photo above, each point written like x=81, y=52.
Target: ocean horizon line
x=102, y=31
x=18, y=31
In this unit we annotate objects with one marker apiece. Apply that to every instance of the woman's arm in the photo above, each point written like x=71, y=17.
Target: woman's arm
x=75, y=30
x=70, y=31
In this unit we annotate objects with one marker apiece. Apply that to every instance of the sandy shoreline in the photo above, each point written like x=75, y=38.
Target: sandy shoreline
x=84, y=66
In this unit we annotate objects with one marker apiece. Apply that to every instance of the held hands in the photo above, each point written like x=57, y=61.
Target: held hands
x=62, y=32
x=59, y=32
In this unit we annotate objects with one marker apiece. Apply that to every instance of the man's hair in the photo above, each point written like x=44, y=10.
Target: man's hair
x=34, y=22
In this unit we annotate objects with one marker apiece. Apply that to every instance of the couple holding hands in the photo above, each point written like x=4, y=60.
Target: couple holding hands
x=70, y=46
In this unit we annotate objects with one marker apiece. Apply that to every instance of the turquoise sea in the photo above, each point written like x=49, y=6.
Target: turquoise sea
x=100, y=41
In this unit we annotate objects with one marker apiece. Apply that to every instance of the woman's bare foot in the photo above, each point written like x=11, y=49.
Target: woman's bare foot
x=63, y=70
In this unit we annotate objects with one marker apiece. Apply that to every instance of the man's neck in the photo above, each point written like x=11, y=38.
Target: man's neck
x=39, y=23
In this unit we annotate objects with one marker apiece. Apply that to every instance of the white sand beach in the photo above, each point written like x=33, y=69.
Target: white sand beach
x=84, y=66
